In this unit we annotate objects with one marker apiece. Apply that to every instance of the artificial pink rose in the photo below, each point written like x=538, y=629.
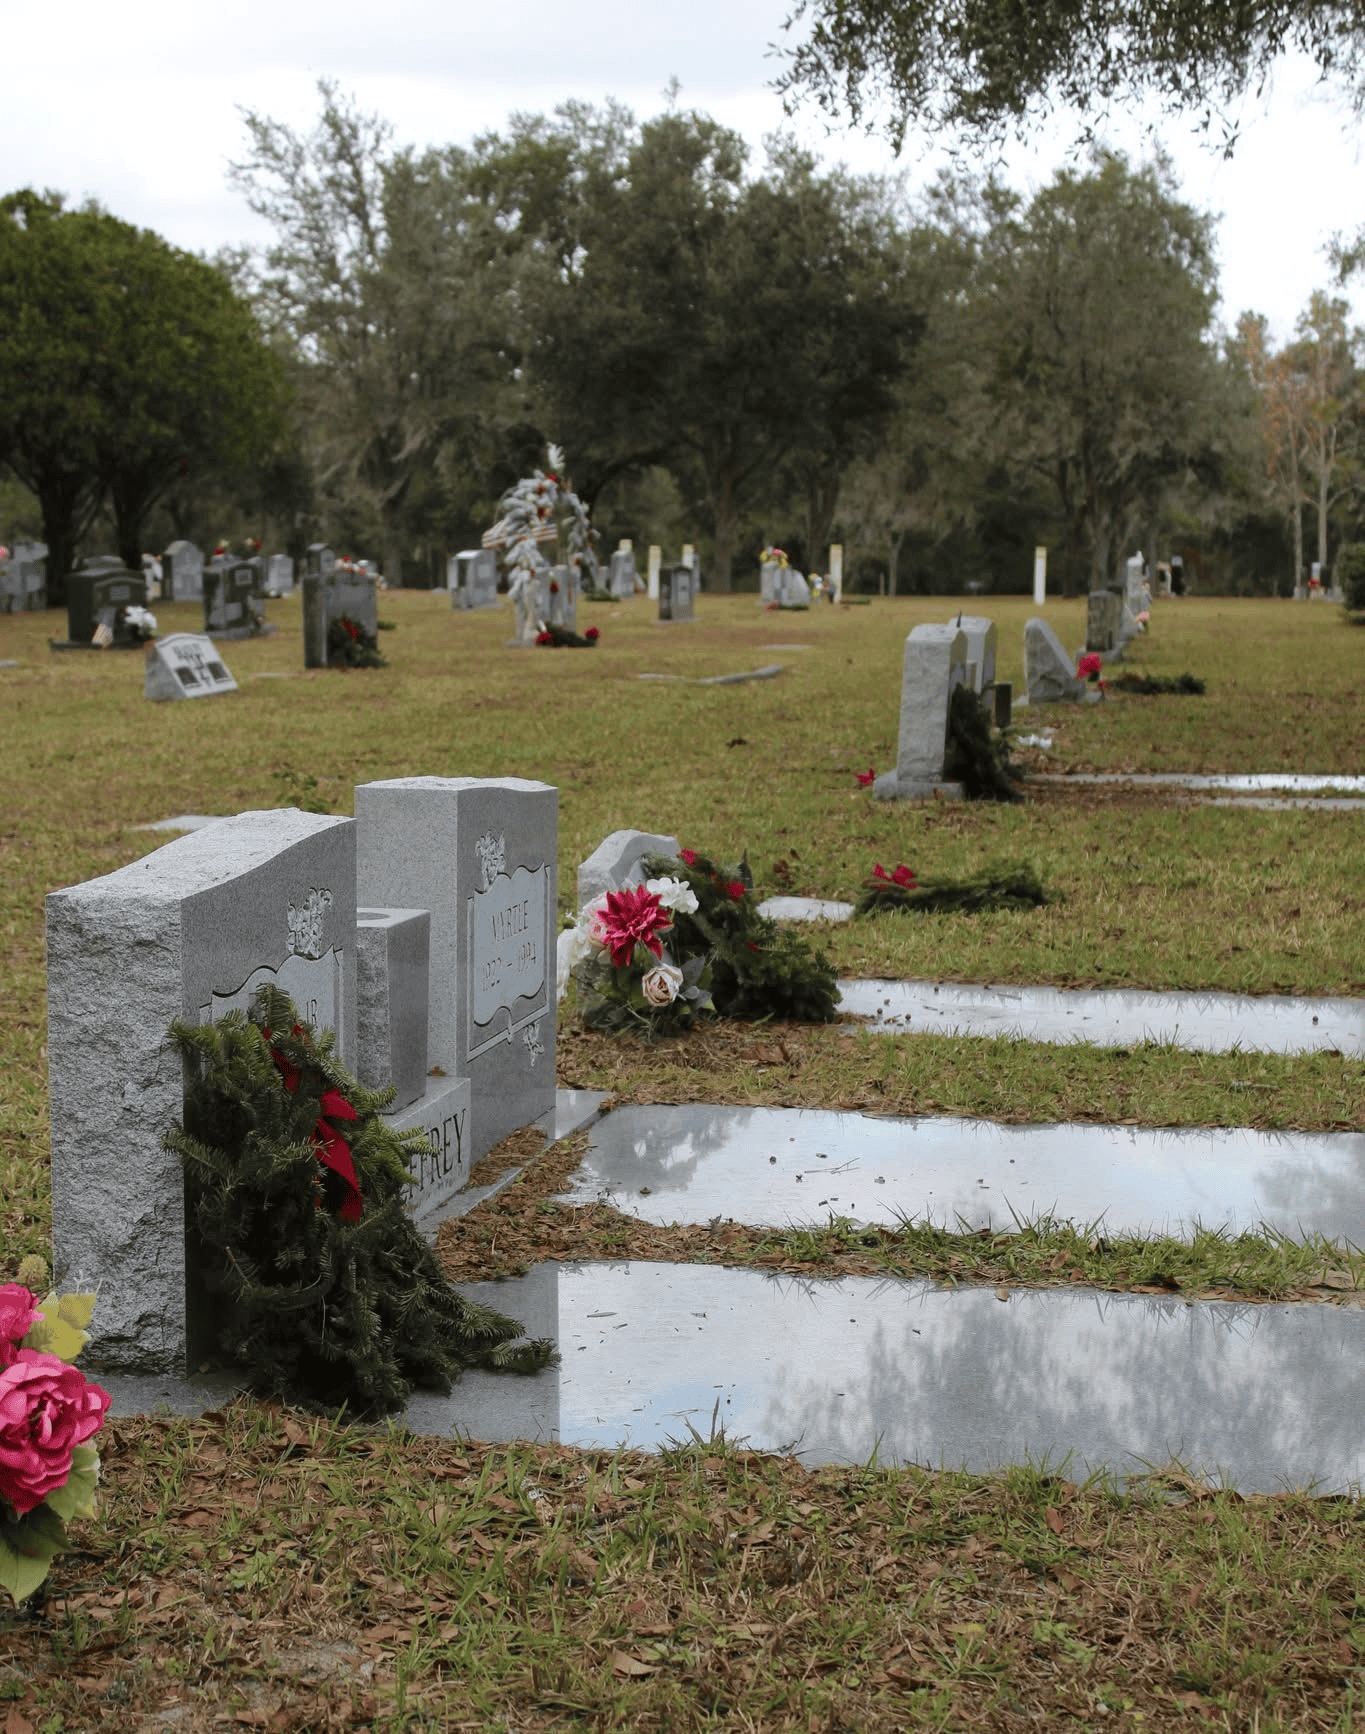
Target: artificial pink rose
x=18, y=1315
x=660, y=987
x=47, y=1408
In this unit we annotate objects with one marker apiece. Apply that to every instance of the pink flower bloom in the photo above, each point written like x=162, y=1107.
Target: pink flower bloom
x=592, y=635
x=18, y=1315
x=47, y=1408
x=630, y=918
x=688, y=855
x=878, y=871
x=1088, y=668
x=736, y=889
x=865, y=777
x=903, y=876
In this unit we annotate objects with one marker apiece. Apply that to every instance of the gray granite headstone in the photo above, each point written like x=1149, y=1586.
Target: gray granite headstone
x=768, y=575
x=624, y=579
x=677, y=585
x=11, y=588
x=615, y=862
x=563, y=591
x=279, y=575
x=473, y=579
x=97, y=595
x=482, y=856
x=981, y=650
x=189, y=931
x=183, y=572
x=792, y=589
x=327, y=597
x=29, y=560
x=234, y=599
x=185, y=665
x=1104, y=610
x=1128, y=628
x=935, y=662
x=319, y=559
x=392, y=984
x=1048, y=671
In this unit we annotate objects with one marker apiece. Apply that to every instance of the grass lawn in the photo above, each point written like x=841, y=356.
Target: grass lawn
x=263, y=1569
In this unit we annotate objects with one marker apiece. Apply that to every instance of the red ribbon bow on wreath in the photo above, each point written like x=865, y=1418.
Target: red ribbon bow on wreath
x=332, y=1150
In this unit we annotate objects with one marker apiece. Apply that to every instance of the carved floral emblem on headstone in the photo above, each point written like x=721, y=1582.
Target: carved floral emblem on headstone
x=492, y=854
x=531, y=1036
x=305, y=924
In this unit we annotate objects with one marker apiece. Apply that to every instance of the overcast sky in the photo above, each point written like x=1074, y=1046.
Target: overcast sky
x=137, y=105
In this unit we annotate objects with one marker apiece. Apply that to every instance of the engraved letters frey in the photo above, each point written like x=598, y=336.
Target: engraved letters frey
x=305, y=924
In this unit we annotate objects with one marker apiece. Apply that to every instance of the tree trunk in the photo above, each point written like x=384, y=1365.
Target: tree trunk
x=393, y=553
x=68, y=504
x=727, y=533
x=1322, y=522
x=895, y=562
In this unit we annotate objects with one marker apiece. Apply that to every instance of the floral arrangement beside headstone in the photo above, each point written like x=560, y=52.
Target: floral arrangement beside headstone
x=351, y=645
x=1013, y=886
x=774, y=557
x=554, y=637
x=1089, y=667
x=543, y=508
x=49, y=1413
x=974, y=756
x=140, y=623
x=323, y=1290
x=687, y=943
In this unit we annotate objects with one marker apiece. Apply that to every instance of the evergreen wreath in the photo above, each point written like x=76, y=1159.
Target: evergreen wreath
x=758, y=969
x=975, y=758
x=324, y=1289
x=1152, y=684
x=1012, y=886
x=350, y=645
x=554, y=637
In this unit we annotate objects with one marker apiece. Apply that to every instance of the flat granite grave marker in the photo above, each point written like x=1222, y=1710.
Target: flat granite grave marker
x=482, y=856
x=189, y=931
x=185, y=665
x=935, y=662
x=1048, y=672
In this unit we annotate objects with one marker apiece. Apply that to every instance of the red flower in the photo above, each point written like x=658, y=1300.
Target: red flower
x=554, y=587
x=630, y=918
x=545, y=638
x=1088, y=668
x=903, y=876
x=351, y=628
x=751, y=945
x=47, y=1408
x=865, y=777
x=688, y=855
x=552, y=477
x=19, y=1312
x=592, y=635
x=736, y=889
x=878, y=871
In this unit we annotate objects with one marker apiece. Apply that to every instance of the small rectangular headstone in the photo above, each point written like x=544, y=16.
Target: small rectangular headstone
x=656, y=555
x=981, y=648
x=474, y=579
x=97, y=595
x=279, y=575
x=675, y=593
x=392, y=991
x=792, y=589
x=624, y=580
x=183, y=572
x=189, y=931
x=482, y=855
x=185, y=665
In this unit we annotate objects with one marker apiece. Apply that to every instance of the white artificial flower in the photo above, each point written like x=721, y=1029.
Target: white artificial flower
x=674, y=894
x=660, y=987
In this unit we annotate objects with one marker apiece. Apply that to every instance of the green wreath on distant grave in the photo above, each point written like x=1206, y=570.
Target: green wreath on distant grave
x=325, y=1293
x=1152, y=685
x=974, y=757
x=350, y=645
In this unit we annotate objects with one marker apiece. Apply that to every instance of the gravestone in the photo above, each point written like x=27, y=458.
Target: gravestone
x=11, y=588
x=981, y=647
x=935, y=662
x=769, y=574
x=562, y=586
x=623, y=580
x=1135, y=584
x=656, y=555
x=615, y=862
x=97, y=595
x=185, y=665
x=482, y=856
x=1048, y=672
x=182, y=567
x=392, y=988
x=792, y=589
x=836, y=572
x=676, y=590
x=530, y=594
x=279, y=575
x=329, y=596
x=1104, y=611
x=319, y=560
x=23, y=579
x=189, y=931
x=474, y=579
x=234, y=599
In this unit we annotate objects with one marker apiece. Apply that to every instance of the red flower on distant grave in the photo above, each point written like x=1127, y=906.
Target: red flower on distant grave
x=1088, y=668
x=554, y=587
x=352, y=630
x=552, y=477
x=688, y=855
x=865, y=777
x=632, y=917
x=545, y=638
x=736, y=889
x=903, y=876
x=592, y=635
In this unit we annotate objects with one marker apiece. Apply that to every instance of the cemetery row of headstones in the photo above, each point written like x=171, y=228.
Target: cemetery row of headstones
x=23, y=578
x=937, y=660
x=422, y=932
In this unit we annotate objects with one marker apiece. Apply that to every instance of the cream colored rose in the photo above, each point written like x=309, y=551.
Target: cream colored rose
x=660, y=986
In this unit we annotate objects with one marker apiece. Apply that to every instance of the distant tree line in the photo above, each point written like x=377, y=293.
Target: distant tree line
x=730, y=358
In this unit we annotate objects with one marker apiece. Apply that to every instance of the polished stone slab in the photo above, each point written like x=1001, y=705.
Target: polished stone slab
x=1296, y=782
x=792, y=1167
x=805, y=909
x=1259, y=1398
x=1278, y=804
x=1113, y=1017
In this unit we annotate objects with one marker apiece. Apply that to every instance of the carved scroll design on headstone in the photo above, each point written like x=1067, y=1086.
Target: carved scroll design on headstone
x=506, y=950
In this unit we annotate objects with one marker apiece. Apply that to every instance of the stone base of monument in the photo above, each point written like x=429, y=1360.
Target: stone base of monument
x=235, y=632
x=76, y=644
x=891, y=786
x=443, y=1114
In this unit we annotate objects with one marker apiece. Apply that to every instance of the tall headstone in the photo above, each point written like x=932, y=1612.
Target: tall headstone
x=182, y=572
x=1048, y=672
x=981, y=648
x=656, y=555
x=623, y=580
x=1039, y=576
x=1104, y=611
x=474, y=579
x=279, y=575
x=676, y=589
x=23, y=579
x=1135, y=582
x=769, y=579
x=935, y=662
x=189, y=931
x=836, y=572
x=482, y=856
x=185, y=665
